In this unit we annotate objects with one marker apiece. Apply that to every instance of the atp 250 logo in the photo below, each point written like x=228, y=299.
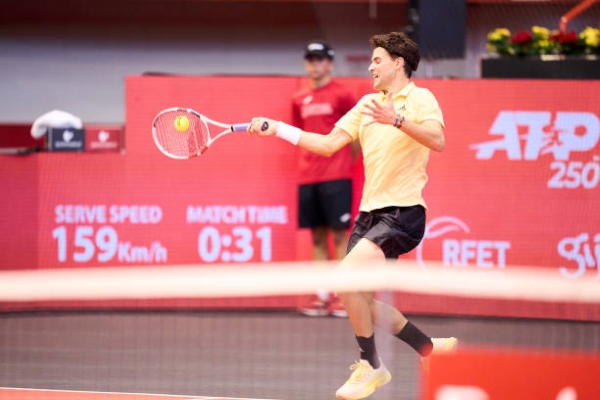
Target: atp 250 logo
x=527, y=135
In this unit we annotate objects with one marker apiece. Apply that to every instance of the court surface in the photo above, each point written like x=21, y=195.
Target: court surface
x=40, y=394
x=230, y=354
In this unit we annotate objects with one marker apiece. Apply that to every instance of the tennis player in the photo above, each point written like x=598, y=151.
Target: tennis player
x=397, y=128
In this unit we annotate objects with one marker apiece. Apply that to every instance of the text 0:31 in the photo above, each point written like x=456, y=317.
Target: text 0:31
x=237, y=246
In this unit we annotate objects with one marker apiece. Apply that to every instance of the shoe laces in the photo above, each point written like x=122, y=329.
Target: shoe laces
x=360, y=371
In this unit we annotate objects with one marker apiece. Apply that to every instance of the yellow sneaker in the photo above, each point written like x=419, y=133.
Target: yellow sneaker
x=440, y=345
x=444, y=345
x=363, y=381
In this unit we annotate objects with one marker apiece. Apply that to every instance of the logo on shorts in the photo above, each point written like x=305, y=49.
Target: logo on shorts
x=345, y=218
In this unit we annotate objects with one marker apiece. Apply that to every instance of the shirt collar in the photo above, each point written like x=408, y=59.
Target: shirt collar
x=406, y=89
x=402, y=93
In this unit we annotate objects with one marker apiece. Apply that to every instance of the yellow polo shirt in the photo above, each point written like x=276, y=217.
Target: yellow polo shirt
x=394, y=162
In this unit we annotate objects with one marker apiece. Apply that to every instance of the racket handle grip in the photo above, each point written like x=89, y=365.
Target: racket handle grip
x=243, y=127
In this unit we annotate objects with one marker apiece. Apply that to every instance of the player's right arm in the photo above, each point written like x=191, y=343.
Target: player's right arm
x=324, y=145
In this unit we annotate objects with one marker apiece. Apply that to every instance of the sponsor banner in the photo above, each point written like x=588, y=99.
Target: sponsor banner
x=234, y=204
x=118, y=233
x=518, y=180
x=517, y=185
x=98, y=138
x=485, y=374
x=66, y=139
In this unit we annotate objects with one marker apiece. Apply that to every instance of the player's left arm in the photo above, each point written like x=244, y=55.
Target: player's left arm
x=429, y=133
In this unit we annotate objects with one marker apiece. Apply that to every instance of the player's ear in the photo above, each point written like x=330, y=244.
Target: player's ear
x=400, y=62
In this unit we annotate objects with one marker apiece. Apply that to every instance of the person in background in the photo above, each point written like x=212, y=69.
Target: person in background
x=325, y=183
x=397, y=128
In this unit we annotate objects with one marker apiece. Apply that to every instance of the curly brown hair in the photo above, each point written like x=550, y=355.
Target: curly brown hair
x=398, y=44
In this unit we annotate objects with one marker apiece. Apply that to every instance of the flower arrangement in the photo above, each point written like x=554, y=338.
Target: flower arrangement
x=542, y=41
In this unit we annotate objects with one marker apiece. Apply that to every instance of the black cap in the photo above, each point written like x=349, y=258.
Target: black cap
x=318, y=49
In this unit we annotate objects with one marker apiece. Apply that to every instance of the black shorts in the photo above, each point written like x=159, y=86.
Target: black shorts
x=325, y=204
x=397, y=230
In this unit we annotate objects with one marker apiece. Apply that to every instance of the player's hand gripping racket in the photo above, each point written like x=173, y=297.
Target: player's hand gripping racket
x=183, y=133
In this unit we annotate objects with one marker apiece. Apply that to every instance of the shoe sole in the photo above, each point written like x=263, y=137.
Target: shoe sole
x=314, y=313
x=369, y=390
x=339, y=314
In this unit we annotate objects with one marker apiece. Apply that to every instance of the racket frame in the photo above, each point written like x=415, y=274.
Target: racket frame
x=228, y=128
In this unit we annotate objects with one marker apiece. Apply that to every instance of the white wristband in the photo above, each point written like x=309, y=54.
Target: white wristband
x=288, y=132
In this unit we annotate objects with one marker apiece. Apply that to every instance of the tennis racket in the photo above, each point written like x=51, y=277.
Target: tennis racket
x=182, y=133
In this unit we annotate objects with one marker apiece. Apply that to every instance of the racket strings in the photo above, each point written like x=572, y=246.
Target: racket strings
x=184, y=143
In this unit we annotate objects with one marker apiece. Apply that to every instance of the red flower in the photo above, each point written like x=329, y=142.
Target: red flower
x=521, y=38
x=565, y=37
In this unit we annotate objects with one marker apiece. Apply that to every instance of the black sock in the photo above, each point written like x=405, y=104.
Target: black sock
x=416, y=339
x=367, y=350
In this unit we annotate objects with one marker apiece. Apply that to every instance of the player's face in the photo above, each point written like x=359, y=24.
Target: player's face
x=384, y=69
x=318, y=67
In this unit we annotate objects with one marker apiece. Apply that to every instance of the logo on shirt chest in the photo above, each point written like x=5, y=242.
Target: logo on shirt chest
x=401, y=109
x=310, y=109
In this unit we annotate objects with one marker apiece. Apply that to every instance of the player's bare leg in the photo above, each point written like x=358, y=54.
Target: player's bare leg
x=365, y=312
x=358, y=304
x=369, y=373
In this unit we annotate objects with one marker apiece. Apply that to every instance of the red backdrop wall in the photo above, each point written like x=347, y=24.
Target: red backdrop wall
x=516, y=185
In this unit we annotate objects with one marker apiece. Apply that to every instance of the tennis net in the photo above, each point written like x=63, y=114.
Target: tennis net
x=234, y=332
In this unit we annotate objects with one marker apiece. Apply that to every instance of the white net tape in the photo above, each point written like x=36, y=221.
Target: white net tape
x=524, y=283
